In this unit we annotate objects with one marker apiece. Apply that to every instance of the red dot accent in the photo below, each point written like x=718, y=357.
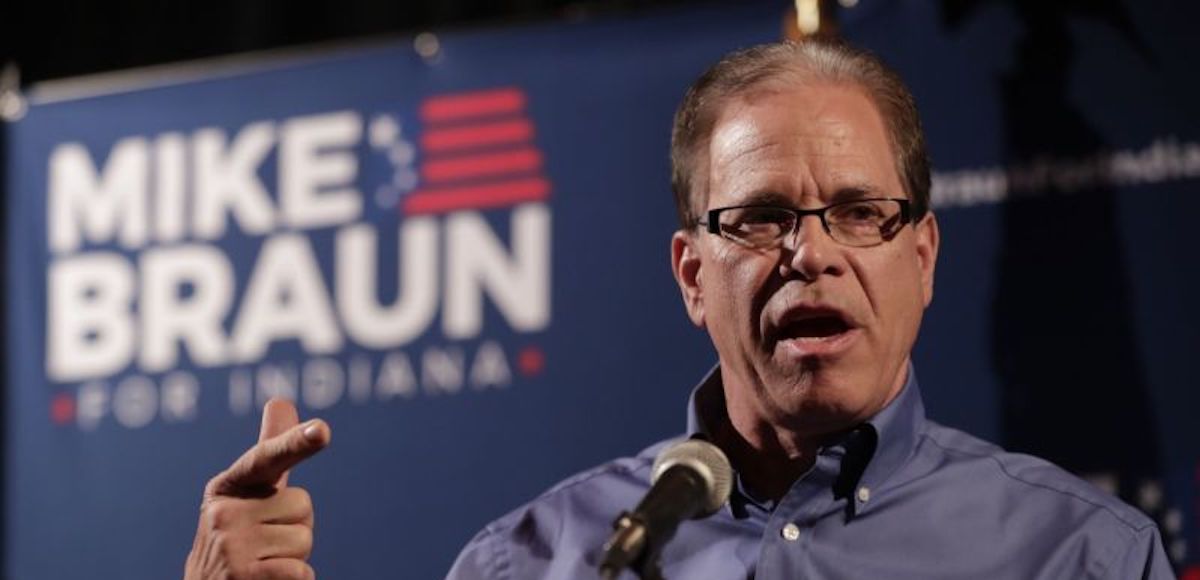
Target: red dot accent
x=62, y=409
x=531, y=361
x=1192, y=573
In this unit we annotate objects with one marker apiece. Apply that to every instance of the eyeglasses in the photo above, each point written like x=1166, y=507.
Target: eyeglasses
x=858, y=223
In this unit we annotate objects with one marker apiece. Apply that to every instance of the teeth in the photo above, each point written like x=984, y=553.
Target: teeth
x=816, y=338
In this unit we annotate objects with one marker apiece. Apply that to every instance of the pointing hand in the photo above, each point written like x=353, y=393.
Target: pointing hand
x=252, y=525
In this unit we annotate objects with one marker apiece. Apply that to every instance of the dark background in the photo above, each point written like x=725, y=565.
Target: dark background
x=49, y=39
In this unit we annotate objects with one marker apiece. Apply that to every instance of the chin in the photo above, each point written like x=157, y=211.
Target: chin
x=818, y=399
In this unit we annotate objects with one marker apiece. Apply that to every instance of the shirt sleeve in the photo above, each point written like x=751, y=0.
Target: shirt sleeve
x=480, y=559
x=1144, y=559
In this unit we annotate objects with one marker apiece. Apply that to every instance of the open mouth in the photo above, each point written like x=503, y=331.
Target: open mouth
x=821, y=327
x=809, y=331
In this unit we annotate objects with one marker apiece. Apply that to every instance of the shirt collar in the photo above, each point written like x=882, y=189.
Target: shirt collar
x=897, y=428
x=711, y=383
x=884, y=442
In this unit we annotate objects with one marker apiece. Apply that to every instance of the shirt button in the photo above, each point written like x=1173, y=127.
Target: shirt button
x=790, y=532
x=864, y=494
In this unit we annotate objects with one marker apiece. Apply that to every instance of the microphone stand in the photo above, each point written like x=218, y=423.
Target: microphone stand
x=648, y=567
x=631, y=531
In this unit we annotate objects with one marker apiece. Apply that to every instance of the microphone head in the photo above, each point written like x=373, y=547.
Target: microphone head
x=708, y=461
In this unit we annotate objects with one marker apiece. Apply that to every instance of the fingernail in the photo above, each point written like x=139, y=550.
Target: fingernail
x=313, y=431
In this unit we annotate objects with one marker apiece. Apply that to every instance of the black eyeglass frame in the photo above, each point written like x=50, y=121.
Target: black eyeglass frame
x=712, y=221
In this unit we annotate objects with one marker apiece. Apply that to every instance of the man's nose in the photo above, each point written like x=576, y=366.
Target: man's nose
x=810, y=251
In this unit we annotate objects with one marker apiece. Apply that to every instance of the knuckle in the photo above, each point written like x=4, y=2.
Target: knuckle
x=301, y=571
x=281, y=569
x=242, y=571
x=214, y=485
x=224, y=547
x=306, y=541
x=219, y=514
x=303, y=499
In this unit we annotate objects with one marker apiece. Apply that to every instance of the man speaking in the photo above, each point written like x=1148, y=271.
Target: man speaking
x=806, y=250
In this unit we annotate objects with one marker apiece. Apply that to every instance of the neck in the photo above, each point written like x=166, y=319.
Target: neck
x=767, y=459
x=769, y=456
x=768, y=462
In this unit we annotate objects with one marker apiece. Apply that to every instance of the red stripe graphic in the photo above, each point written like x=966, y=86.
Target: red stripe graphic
x=478, y=196
x=475, y=104
x=441, y=140
x=463, y=121
x=525, y=159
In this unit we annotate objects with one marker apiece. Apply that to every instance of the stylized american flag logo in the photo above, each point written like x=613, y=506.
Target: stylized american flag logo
x=477, y=152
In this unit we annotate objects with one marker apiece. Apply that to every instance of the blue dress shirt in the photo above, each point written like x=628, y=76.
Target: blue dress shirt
x=900, y=497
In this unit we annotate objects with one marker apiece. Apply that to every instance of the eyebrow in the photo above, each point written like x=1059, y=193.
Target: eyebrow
x=767, y=197
x=842, y=194
x=853, y=192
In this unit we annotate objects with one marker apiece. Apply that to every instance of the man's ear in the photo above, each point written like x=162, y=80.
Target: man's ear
x=927, y=241
x=685, y=264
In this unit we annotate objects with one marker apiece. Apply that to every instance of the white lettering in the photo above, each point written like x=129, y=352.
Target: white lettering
x=476, y=262
x=442, y=370
x=241, y=392
x=286, y=298
x=396, y=377
x=275, y=380
x=91, y=404
x=360, y=379
x=322, y=383
x=99, y=205
x=170, y=181
x=367, y=322
x=490, y=368
x=314, y=155
x=135, y=401
x=169, y=317
x=89, y=326
x=180, y=394
x=228, y=180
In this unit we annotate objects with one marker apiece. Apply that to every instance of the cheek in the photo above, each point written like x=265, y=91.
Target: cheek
x=726, y=272
x=738, y=285
x=894, y=289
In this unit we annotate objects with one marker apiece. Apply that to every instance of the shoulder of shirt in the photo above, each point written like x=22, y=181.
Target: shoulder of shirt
x=1035, y=473
x=636, y=467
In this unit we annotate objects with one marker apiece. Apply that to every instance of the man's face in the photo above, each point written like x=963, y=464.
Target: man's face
x=814, y=335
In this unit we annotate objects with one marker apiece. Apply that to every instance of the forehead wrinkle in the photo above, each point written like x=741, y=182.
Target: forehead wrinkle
x=821, y=148
x=741, y=158
x=741, y=136
x=752, y=149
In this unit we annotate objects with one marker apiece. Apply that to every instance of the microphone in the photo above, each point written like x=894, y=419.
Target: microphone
x=691, y=480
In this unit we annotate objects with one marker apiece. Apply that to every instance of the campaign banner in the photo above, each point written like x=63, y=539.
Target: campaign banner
x=449, y=258
x=458, y=257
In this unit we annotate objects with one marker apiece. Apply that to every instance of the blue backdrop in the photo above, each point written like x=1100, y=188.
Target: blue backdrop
x=461, y=262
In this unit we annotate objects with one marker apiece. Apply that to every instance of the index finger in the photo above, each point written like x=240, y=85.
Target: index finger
x=278, y=416
x=259, y=470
